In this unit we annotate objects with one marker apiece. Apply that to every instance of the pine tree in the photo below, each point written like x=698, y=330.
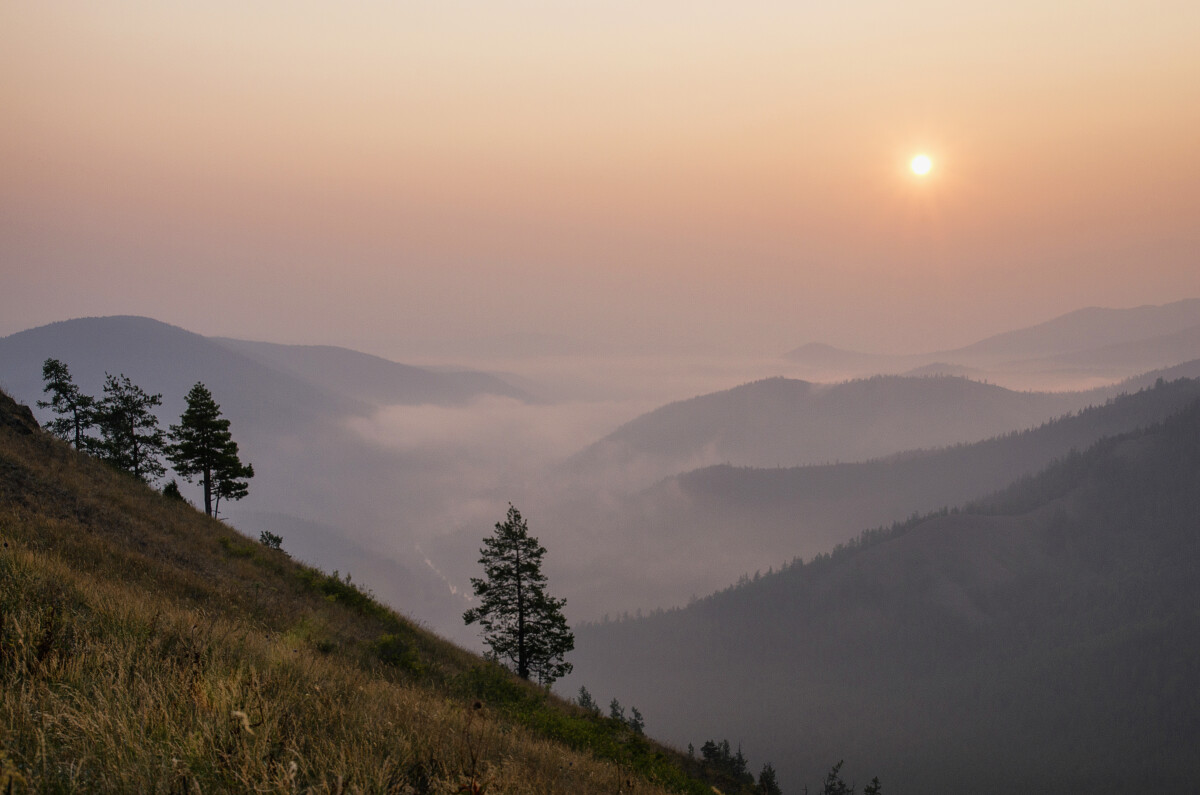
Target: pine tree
x=76, y=411
x=587, y=702
x=229, y=487
x=130, y=438
x=636, y=721
x=834, y=785
x=767, y=783
x=202, y=447
x=521, y=623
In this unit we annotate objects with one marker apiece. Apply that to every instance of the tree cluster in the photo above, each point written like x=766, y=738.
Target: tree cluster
x=834, y=785
x=635, y=722
x=129, y=437
x=721, y=757
x=732, y=765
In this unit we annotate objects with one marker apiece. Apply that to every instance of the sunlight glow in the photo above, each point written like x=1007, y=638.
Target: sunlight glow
x=920, y=165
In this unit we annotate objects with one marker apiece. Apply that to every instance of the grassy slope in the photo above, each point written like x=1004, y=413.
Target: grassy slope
x=145, y=647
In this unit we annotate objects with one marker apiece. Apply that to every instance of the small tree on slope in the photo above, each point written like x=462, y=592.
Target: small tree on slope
x=76, y=411
x=229, y=487
x=130, y=438
x=202, y=447
x=523, y=626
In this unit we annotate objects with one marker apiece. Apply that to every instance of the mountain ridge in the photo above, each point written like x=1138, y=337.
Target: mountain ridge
x=694, y=532
x=790, y=422
x=1089, y=335
x=1040, y=638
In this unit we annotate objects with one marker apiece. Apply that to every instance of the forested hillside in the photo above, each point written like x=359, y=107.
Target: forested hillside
x=695, y=533
x=786, y=422
x=1042, y=639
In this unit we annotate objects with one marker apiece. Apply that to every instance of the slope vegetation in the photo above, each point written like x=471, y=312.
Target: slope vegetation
x=147, y=648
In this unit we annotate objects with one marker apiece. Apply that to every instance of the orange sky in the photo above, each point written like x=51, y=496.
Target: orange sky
x=649, y=175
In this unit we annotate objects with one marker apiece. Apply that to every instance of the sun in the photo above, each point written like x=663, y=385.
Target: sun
x=921, y=165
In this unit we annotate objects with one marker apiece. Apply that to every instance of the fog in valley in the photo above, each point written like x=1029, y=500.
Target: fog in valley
x=394, y=473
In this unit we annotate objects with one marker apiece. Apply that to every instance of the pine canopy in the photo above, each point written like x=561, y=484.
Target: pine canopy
x=523, y=626
x=202, y=447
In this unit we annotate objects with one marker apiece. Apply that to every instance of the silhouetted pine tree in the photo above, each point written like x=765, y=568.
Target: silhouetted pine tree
x=76, y=411
x=521, y=623
x=204, y=448
x=130, y=438
x=767, y=784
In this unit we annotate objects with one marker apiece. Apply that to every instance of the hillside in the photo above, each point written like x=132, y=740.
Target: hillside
x=292, y=410
x=167, y=359
x=785, y=422
x=1160, y=351
x=147, y=648
x=694, y=533
x=1043, y=639
x=264, y=384
x=1084, y=345
x=370, y=378
x=1086, y=329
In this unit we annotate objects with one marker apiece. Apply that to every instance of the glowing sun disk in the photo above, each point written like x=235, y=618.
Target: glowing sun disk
x=920, y=165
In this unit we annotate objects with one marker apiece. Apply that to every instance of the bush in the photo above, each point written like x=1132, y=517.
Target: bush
x=270, y=540
x=395, y=651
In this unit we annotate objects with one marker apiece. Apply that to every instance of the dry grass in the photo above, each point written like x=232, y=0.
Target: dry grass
x=147, y=648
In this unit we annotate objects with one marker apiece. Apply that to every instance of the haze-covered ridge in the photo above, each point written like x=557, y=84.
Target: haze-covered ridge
x=1158, y=351
x=1094, y=343
x=1090, y=328
x=373, y=378
x=693, y=533
x=788, y=422
x=167, y=359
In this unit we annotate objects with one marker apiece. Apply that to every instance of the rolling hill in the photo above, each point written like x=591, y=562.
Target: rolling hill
x=1159, y=351
x=1042, y=639
x=785, y=422
x=260, y=384
x=693, y=533
x=1086, y=345
x=370, y=378
x=167, y=359
x=1086, y=329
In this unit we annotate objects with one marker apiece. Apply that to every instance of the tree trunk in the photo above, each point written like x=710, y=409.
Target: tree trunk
x=208, y=491
x=522, y=657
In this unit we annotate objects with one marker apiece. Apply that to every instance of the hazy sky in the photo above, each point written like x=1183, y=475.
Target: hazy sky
x=645, y=175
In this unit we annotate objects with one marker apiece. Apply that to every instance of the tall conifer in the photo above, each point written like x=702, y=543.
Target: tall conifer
x=130, y=438
x=76, y=411
x=521, y=623
x=202, y=447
